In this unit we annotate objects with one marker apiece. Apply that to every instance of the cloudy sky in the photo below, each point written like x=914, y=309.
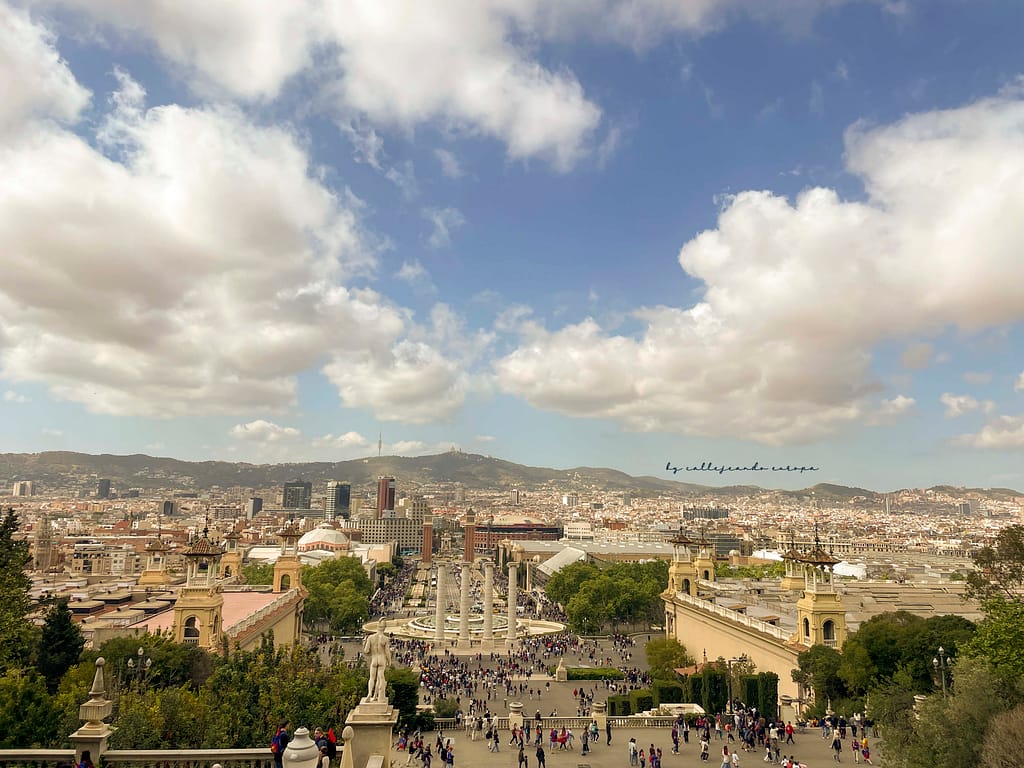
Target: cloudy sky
x=561, y=232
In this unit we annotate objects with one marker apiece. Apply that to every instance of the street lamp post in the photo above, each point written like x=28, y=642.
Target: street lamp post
x=141, y=668
x=941, y=664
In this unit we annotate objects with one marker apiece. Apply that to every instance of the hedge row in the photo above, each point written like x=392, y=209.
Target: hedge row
x=590, y=673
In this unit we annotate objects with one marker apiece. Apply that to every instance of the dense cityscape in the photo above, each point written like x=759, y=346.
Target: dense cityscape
x=396, y=384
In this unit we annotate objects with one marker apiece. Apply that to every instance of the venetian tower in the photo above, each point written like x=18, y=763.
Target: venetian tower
x=288, y=568
x=821, y=618
x=231, y=562
x=155, y=573
x=199, y=609
x=682, y=575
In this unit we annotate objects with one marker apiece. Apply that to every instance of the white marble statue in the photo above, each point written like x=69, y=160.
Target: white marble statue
x=377, y=648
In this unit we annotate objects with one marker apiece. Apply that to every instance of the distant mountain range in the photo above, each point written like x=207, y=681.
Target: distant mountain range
x=67, y=470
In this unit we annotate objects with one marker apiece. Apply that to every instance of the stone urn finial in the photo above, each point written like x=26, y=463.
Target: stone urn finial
x=302, y=751
x=97, y=707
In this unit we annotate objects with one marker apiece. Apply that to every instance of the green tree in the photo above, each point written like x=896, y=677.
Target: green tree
x=818, y=671
x=404, y=693
x=28, y=717
x=1000, y=636
x=896, y=640
x=999, y=569
x=339, y=592
x=258, y=573
x=948, y=731
x=60, y=644
x=16, y=634
x=664, y=655
x=566, y=583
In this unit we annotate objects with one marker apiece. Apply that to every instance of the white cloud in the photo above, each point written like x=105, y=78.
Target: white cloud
x=890, y=411
x=265, y=440
x=407, y=446
x=198, y=267
x=247, y=50
x=485, y=438
x=10, y=396
x=416, y=275
x=37, y=82
x=262, y=431
x=958, y=405
x=471, y=65
x=977, y=377
x=367, y=146
x=1002, y=433
x=450, y=166
x=1018, y=385
x=47, y=432
x=917, y=356
x=347, y=441
x=444, y=221
x=798, y=294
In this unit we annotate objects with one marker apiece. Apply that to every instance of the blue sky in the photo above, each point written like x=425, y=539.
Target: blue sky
x=562, y=233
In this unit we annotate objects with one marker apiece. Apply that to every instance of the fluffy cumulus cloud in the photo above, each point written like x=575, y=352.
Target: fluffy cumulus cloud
x=472, y=65
x=798, y=293
x=1001, y=433
x=188, y=262
x=261, y=430
x=37, y=82
x=266, y=440
x=958, y=405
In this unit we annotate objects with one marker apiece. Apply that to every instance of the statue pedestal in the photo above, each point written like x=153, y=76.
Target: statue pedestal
x=372, y=724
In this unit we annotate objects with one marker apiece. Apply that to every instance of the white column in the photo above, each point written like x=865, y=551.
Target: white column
x=489, y=603
x=464, y=608
x=510, y=635
x=440, y=594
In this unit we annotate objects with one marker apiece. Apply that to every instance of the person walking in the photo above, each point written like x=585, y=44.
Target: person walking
x=837, y=746
x=540, y=757
x=726, y=761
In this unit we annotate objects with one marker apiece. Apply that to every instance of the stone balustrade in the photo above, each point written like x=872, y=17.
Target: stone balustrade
x=740, y=618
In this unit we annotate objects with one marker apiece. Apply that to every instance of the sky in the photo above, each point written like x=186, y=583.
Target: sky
x=636, y=234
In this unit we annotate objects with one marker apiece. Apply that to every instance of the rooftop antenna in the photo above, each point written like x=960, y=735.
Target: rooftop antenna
x=380, y=443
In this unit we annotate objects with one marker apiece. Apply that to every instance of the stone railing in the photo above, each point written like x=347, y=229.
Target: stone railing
x=579, y=723
x=31, y=758
x=740, y=618
x=190, y=758
x=254, y=618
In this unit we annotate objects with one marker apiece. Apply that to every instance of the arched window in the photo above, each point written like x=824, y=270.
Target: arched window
x=286, y=583
x=807, y=627
x=828, y=630
x=227, y=570
x=707, y=575
x=191, y=630
x=686, y=586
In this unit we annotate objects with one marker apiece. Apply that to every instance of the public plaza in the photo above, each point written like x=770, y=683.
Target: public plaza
x=551, y=697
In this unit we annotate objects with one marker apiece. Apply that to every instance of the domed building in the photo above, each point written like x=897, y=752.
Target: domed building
x=325, y=537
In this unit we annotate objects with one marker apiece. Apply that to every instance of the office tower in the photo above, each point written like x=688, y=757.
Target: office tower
x=24, y=488
x=169, y=508
x=297, y=495
x=570, y=499
x=103, y=489
x=513, y=497
x=339, y=500
x=385, y=497
x=253, y=507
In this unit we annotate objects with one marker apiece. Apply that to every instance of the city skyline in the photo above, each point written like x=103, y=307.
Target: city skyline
x=638, y=235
